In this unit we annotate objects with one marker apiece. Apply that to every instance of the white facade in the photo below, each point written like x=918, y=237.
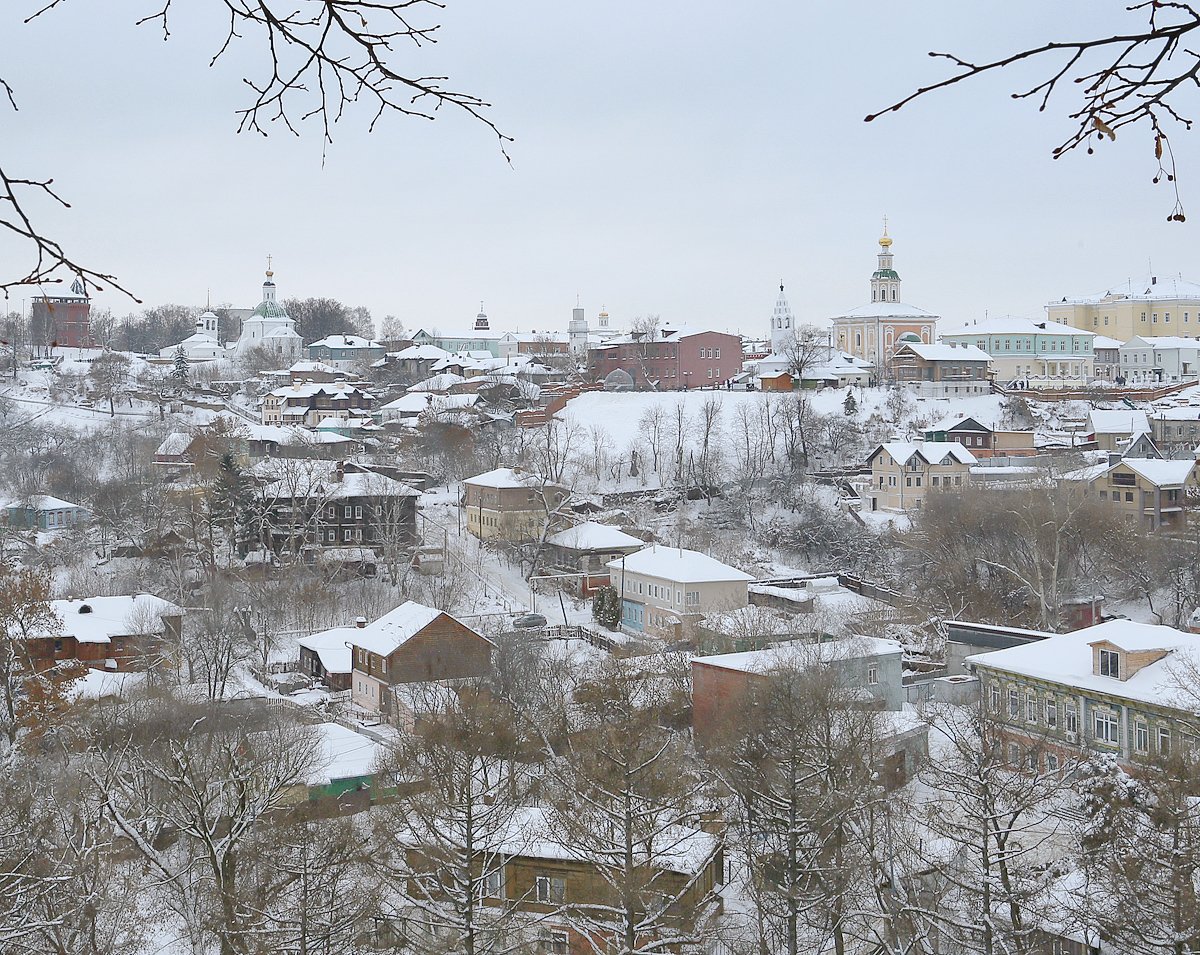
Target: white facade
x=271, y=328
x=202, y=345
x=577, y=333
x=1150, y=359
x=783, y=323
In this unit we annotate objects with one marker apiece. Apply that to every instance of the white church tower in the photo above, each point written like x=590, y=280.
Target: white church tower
x=783, y=323
x=577, y=332
x=885, y=281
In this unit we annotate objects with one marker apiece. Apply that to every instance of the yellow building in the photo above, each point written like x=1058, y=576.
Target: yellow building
x=904, y=472
x=1145, y=491
x=1153, y=306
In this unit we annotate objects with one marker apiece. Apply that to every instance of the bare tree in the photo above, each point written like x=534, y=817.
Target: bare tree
x=1136, y=77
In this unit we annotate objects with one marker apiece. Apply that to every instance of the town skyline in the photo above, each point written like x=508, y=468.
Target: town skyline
x=650, y=174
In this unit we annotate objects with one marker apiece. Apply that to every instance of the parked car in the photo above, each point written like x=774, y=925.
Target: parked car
x=529, y=621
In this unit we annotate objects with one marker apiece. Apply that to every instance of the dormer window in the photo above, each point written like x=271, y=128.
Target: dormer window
x=1110, y=664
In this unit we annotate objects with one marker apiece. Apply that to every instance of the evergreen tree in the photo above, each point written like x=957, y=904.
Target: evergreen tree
x=180, y=374
x=606, y=607
x=850, y=406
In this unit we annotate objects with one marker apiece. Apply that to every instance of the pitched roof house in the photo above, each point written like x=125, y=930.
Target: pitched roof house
x=904, y=472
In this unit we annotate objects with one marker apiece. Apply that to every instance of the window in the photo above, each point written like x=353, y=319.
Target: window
x=1141, y=737
x=1164, y=741
x=551, y=890
x=491, y=884
x=873, y=674
x=1104, y=727
x=1110, y=663
x=1032, y=761
x=1014, y=754
x=1031, y=709
x=1052, y=713
x=554, y=943
x=349, y=511
x=693, y=597
x=1051, y=763
x=1071, y=718
x=994, y=696
x=58, y=646
x=1014, y=703
x=357, y=511
x=332, y=512
x=718, y=353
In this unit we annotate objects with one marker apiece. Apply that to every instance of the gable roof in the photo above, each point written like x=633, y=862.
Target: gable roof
x=99, y=619
x=1113, y=421
x=332, y=647
x=1158, y=472
x=591, y=535
x=944, y=352
x=678, y=564
x=800, y=654
x=934, y=452
x=396, y=627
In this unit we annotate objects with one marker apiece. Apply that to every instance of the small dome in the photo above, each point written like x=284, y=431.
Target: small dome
x=885, y=241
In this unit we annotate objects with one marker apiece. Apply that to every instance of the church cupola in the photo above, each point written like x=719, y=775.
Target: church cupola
x=269, y=283
x=782, y=322
x=885, y=282
x=481, y=320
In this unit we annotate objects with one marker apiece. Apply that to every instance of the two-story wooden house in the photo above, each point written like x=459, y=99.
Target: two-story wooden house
x=564, y=894
x=122, y=633
x=1149, y=492
x=904, y=472
x=509, y=504
x=588, y=548
x=1114, y=688
x=309, y=403
x=412, y=644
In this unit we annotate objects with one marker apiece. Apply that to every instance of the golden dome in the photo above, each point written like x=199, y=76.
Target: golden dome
x=885, y=241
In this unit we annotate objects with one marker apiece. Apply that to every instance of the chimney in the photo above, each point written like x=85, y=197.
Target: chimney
x=1153, y=279
x=360, y=623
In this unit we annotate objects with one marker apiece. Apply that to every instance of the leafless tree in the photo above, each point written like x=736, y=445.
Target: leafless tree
x=1135, y=77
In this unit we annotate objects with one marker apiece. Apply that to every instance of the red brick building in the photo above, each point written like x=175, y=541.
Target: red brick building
x=670, y=359
x=62, y=319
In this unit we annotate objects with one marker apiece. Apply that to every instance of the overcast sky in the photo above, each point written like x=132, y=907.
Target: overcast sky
x=672, y=158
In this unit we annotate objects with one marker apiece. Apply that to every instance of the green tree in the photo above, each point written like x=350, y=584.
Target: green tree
x=606, y=607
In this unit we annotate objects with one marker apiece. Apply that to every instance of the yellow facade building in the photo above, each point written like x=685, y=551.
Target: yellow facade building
x=1152, y=306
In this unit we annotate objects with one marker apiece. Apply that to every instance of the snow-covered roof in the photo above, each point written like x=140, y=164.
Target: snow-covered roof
x=440, y=382
x=42, y=502
x=419, y=353
x=935, y=452
x=292, y=435
x=309, y=389
x=677, y=564
x=885, y=310
x=1103, y=341
x=345, y=341
x=310, y=365
x=945, y=352
x=1066, y=659
x=99, y=619
x=341, y=753
x=504, y=478
x=174, y=443
x=796, y=654
x=1013, y=325
x=417, y=401
x=591, y=535
x=395, y=628
x=1157, y=288
x=1111, y=421
x=1161, y=473
x=952, y=422
x=1162, y=342
x=332, y=647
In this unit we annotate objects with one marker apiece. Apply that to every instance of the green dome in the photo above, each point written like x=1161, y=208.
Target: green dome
x=270, y=310
x=887, y=274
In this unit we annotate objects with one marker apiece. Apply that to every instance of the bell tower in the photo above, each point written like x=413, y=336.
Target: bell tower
x=885, y=281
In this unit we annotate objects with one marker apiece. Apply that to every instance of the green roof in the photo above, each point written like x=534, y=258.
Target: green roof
x=270, y=310
x=887, y=274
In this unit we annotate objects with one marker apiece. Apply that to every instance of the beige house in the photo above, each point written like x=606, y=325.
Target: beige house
x=509, y=504
x=1146, y=491
x=1115, y=429
x=1150, y=306
x=904, y=472
x=664, y=588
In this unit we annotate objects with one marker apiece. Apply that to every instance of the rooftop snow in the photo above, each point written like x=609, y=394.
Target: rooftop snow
x=591, y=535
x=1108, y=421
x=796, y=654
x=395, y=628
x=108, y=617
x=344, y=341
x=946, y=352
x=886, y=310
x=504, y=478
x=1013, y=325
x=1161, y=473
x=1067, y=659
x=935, y=452
x=678, y=564
x=1147, y=289
x=341, y=753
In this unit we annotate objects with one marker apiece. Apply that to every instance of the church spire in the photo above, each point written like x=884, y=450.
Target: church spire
x=885, y=281
x=269, y=283
x=782, y=321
